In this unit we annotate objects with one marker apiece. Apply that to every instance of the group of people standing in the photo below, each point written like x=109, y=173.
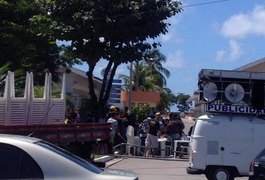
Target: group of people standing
x=149, y=131
x=119, y=121
x=155, y=127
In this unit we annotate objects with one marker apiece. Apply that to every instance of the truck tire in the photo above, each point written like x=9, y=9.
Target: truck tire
x=220, y=173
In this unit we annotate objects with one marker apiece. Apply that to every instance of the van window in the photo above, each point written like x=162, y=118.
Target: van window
x=212, y=147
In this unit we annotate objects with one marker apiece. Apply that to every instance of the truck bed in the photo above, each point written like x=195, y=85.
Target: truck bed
x=62, y=133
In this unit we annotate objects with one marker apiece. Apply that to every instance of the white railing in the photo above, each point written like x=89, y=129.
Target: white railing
x=28, y=109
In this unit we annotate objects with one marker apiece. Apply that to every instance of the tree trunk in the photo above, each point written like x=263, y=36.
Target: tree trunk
x=91, y=81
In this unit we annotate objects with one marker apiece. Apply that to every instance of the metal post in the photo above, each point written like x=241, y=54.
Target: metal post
x=130, y=89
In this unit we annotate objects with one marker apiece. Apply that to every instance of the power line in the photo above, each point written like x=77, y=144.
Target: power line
x=152, y=11
x=205, y=3
x=191, y=5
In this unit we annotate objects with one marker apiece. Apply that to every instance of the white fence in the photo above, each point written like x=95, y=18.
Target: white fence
x=28, y=109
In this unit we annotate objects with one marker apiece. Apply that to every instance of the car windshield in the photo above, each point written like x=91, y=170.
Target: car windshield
x=70, y=156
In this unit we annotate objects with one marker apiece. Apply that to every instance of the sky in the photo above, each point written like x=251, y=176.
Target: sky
x=209, y=34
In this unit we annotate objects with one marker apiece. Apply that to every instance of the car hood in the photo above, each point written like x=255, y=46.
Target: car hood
x=122, y=173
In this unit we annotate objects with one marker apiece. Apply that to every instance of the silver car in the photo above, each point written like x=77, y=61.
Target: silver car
x=25, y=157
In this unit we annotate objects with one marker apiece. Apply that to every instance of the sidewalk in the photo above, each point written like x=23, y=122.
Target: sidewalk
x=109, y=160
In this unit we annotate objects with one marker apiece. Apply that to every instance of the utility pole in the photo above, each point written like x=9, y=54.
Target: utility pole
x=130, y=89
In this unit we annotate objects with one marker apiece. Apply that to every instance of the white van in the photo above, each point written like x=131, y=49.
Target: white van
x=223, y=145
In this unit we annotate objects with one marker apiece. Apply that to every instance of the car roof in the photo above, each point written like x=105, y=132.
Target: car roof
x=8, y=137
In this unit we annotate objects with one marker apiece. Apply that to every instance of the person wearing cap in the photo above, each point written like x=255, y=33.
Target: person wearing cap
x=112, y=109
x=143, y=131
x=151, y=141
x=162, y=123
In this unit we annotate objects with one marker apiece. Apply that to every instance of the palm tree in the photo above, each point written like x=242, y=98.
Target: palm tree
x=147, y=74
x=154, y=58
x=142, y=79
x=150, y=75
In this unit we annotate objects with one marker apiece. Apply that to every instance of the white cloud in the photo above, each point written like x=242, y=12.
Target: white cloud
x=241, y=25
x=234, y=52
x=238, y=27
x=220, y=55
x=175, y=60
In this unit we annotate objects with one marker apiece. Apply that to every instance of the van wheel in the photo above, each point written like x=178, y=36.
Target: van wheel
x=220, y=173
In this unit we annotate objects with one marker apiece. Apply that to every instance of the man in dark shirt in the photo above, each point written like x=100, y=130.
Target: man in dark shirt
x=175, y=128
x=151, y=142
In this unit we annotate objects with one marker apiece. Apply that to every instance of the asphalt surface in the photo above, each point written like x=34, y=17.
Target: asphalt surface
x=152, y=169
x=157, y=169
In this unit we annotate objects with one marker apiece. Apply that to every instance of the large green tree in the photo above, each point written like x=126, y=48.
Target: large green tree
x=21, y=43
x=116, y=30
x=182, y=104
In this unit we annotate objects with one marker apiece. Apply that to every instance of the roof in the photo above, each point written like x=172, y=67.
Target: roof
x=251, y=65
x=82, y=73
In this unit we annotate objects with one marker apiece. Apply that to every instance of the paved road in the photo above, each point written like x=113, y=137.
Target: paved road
x=154, y=169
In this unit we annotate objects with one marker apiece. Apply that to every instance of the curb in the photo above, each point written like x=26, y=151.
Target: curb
x=102, y=161
x=112, y=162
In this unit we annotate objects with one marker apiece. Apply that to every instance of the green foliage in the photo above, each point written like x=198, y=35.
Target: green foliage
x=141, y=111
x=90, y=107
x=38, y=91
x=118, y=31
x=147, y=74
x=19, y=79
x=56, y=90
x=150, y=75
x=3, y=72
x=155, y=59
x=22, y=45
x=182, y=104
x=167, y=99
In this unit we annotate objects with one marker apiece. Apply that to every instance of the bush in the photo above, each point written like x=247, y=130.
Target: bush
x=141, y=112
